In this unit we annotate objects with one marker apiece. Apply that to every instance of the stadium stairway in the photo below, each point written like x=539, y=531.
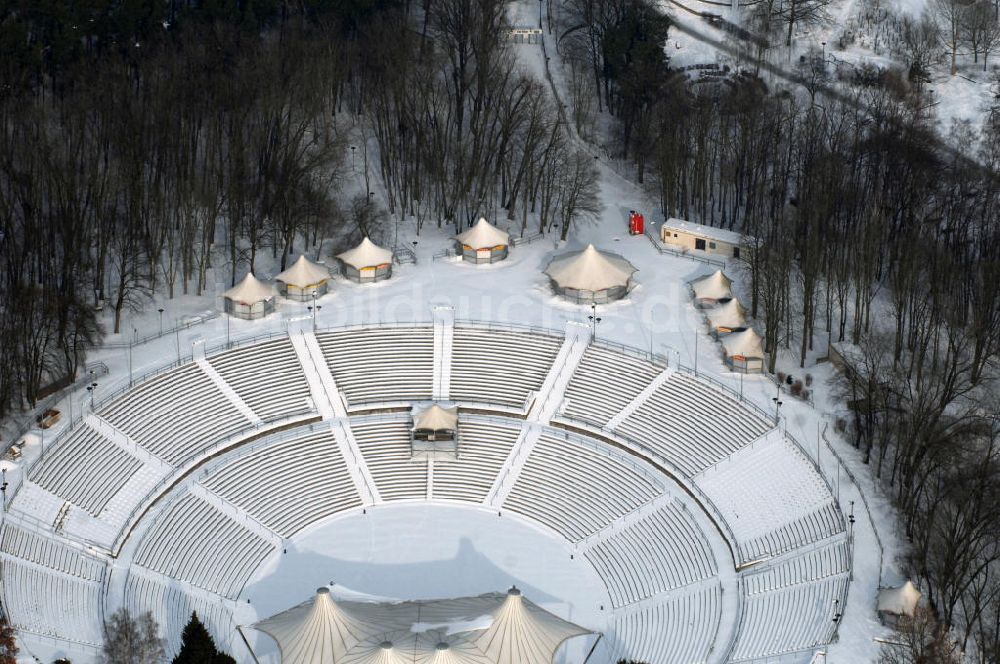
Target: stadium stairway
x=444, y=335
x=550, y=395
x=230, y=393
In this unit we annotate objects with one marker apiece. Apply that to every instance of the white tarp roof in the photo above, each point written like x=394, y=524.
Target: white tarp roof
x=728, y=314
x=900, y=601
x=366, y=254
x=250, y=291
x=483, y=235
x=590, y=270
x=436, y=418
x=715, y=286
x=495, y=628
x=304, y=273
x=746, y=343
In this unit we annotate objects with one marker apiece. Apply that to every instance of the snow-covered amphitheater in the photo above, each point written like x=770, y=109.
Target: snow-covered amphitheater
x=631, y=496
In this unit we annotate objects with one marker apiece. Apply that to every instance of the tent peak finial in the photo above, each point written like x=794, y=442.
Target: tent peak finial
x=514, y=591
x=385, y=645
x=323, y=591
x=443, y=645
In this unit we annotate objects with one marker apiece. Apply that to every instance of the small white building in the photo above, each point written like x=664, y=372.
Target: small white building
x=483, y=243
x=303, y=280
x=695, y=237
x=366, y=262
x=249, y=299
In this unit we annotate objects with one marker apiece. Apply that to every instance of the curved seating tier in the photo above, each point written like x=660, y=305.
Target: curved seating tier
x=110, y=468
x=692, y=424
x=304, y=480
x=381, y=364
x=176, y=415
x=605, y=382
x=482, y=451
x=662, y=551
x=499, y=366
x=577, y=490
x=32, y=547
x=679, y=629
x=268, y=377
x=196, y=543
x=171, y=607
x=385, y=446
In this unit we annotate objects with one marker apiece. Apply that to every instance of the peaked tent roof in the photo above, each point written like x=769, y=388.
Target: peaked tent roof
x=304, y=273
x=524, y=633
x=715, y=286
x=483, y=235
x=436, y=418
x=900, y=601
x=746, y=343
x=493, y=628
x=727, y=314
x=366, y=254
x=590, y=270
x=250, y=290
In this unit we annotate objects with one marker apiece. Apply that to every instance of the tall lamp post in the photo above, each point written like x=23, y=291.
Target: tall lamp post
x=777, y=406
x=160, y=310
x=92, y=388
x=594, y=320
x=314, y=309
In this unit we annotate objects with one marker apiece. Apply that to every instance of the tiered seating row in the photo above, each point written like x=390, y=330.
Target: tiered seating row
x=305, y=479
x=107, y=467
x=788, y=620
x=499, y=366
x=812, y=527
x=576, y=490
x=268, y=377
x=45, y=602
x=482, y=451
x=820, y=563
x=381, y=364
x=605, y=382
x=194, y=542
x=692, y=424
x=172, y=608
x=176, y=415
x=678, y=630
x=385, y=446
x=662, y=551
x=43, y=551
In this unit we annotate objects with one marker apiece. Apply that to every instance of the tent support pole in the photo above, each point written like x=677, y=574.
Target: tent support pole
x=590, y=654
x=247, y=644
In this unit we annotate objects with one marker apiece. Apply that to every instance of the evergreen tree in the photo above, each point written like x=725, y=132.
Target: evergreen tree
x=198, y=646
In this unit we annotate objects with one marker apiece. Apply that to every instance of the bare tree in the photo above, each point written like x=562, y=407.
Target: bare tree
x=132, y=640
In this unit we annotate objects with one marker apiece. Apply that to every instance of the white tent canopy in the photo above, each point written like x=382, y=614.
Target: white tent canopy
x=366, y=254
x=250, y=291
x=436, y=418
x=899, y=601
x=716, y=286
x=495, y=628
x=746, y=343
x=590, y=270
x=304, y=273
x=729, y=314
x=483, y=235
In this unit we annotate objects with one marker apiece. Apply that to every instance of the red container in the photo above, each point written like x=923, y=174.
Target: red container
x=636, y=223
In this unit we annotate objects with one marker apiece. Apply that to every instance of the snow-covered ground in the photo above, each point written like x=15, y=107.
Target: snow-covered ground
x=657, y=315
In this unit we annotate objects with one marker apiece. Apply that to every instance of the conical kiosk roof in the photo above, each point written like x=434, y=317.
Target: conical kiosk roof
x=716, y=286
x=366, y=254
x=304, y=273
x=746, y=344
x=483, y=235
x=729, y=314
x=901, y=601
x=590, y=270
x=250, y=291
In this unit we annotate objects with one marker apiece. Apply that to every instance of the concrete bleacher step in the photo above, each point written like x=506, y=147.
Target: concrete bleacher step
x=355, y=461
x=230, y=393
x=511, y=468
x=238, y=515
x=123, y=441
x=550, y=394
x=642, y=512
x=639, y=399
x=444, y=336
x=37, y=504
x=120, y=507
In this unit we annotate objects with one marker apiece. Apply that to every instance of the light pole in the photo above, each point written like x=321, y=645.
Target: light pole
x=352, y=158
x=160, y=310
x=314, y=309
x=3, y=487
x=92, y=388
x=594, y=320
x=777, y=405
